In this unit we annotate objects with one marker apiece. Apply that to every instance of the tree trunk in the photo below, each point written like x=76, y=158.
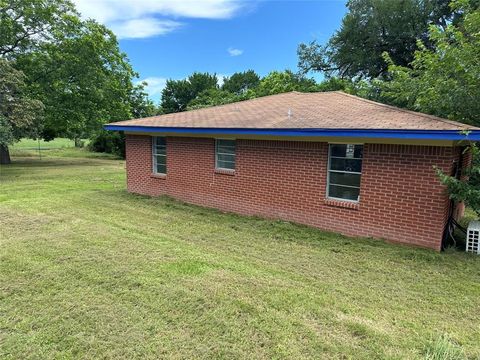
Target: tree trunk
x=4, y=155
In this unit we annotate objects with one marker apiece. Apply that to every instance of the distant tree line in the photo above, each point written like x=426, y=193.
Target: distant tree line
x=203, y=89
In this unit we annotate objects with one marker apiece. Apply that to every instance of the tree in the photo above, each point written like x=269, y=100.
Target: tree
x=82, y=79
x=19, y=115
x=177, y=94
x=202, y=81
x=213, y=97
x=372, y=27
x=74, y=67
x=279, y=82
x=240, y=82
x=25, y=24
x=442, y=81
x=113, y=142
x=140, y=104
x=274, y=83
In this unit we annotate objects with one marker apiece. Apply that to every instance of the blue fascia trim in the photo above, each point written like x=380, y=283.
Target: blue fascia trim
x=474, y=135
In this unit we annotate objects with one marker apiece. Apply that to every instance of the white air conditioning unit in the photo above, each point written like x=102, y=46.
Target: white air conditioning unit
x=473, y=237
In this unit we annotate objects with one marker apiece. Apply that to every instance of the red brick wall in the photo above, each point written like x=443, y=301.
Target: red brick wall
x=401, y=198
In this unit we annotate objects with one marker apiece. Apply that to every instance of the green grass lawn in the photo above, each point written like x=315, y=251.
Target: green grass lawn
x=58, y=147
x=90, y=271
x=30, y=144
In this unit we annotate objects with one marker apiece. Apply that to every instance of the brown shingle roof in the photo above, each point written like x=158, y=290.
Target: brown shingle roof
x=294, y=110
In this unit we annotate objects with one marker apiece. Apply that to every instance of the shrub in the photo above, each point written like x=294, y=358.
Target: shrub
x=111, y=142
x=466, y=191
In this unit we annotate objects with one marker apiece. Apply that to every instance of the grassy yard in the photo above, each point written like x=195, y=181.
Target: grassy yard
x=90, y=271
x=56, y=148
x=30, y=144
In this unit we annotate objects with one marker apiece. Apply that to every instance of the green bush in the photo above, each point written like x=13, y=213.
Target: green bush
x=111, y=142
x=466, y=191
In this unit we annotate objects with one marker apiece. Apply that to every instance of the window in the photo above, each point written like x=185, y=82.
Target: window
x=344, y=171
x=225, y=154
x=159, y=152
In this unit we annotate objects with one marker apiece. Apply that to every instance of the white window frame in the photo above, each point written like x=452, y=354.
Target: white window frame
x=154, y=155
x=343, y=172
x=217, y=153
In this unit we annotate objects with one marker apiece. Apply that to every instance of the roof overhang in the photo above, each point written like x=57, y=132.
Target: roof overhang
x=453, y=135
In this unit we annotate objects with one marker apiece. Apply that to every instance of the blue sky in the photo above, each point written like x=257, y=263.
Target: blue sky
x=171, y=39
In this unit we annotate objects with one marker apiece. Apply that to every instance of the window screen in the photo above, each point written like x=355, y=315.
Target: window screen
x=225, y=154
x=344, y=171
x=159, y=152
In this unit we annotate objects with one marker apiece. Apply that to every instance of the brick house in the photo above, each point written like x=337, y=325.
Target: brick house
x=329, y=160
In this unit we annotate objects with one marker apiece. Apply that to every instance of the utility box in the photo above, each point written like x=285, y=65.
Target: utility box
x=473, y=237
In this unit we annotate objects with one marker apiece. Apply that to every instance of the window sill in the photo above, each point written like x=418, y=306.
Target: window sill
x=225, y=172
x=343, y=204
x=158, y=176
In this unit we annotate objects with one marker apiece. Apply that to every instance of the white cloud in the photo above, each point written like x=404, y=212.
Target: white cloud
x=234, y=52
x=146, y=18
x=143, y=28
x=154, y=87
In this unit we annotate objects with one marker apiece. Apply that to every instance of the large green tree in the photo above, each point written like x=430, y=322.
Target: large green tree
x=372, y=27
x=82, y=78
x=141, y=105
x=283, y=81
x=26, y=24
x=443, y=80
x=113, y=142
x=19, y=115
x=213, y=97
x=240, y=82
x=177, y=94
x=200, y=90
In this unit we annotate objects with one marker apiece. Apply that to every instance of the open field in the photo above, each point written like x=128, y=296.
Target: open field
x=58, y=147
x=30, y=144
x=90, y=271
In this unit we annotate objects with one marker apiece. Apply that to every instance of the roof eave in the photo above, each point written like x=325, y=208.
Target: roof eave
x=456, y=135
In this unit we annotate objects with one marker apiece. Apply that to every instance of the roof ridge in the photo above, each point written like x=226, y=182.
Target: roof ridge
x=428, y=116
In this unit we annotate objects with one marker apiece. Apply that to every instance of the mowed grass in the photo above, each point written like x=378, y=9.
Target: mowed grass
x=30, y=144
x=59, y=147
x=90, y=271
